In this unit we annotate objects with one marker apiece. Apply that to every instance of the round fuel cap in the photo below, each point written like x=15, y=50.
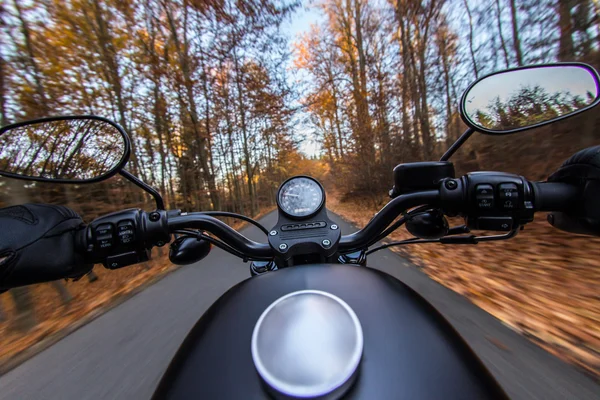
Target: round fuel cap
x=307, y=344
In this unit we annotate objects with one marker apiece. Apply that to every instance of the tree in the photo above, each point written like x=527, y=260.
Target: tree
x=565, y=47
x=515, y=32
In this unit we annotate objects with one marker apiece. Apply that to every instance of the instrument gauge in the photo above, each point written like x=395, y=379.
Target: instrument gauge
x=300, y=197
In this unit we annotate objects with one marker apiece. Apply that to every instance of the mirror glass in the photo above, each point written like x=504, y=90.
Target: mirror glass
x=522, y=98
x=79, y=149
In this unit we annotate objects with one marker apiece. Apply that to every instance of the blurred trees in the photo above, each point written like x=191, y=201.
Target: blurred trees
x=199, y=86
x=420, y=55
x=529, y=106
x=203, y=90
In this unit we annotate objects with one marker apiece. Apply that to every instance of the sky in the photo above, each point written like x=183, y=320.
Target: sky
x=301, y=20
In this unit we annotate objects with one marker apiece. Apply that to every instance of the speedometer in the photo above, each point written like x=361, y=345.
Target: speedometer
x=300, y=197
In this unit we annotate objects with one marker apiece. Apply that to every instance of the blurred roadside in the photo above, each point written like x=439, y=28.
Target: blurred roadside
x=543, y=283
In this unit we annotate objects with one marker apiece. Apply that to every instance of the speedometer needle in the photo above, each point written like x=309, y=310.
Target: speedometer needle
x=291, y=195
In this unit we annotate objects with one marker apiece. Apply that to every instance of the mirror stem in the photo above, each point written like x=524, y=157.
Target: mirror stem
x=456, y=145
x=160, y=204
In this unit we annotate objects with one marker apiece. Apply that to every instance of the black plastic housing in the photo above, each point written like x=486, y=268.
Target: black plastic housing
x=187, y=250
x=496, y=216
x=430, y=224
x=125, y=237
x=304, y=241
x=412, y=177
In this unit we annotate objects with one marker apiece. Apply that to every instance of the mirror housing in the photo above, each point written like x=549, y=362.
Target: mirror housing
x=63, y=144
x=524, y=89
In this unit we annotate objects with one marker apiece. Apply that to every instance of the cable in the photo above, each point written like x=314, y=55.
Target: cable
x=237, y=216
x=472, y=239
x=391, y=228
x=401, y=221
x=402, y=242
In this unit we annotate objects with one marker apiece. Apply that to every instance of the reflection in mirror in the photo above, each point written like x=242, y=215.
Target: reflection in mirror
x=521, y=98
x=68, y=149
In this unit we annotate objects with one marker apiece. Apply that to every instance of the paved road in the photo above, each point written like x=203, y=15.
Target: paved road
x=122, y=354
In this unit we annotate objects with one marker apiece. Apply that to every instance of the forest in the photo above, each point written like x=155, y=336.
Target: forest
x=222, y=102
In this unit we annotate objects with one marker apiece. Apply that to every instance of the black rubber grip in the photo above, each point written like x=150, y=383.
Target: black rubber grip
x=555, y=196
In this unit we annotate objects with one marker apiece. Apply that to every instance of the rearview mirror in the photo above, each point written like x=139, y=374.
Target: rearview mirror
x=528, y=97
x=74, y=149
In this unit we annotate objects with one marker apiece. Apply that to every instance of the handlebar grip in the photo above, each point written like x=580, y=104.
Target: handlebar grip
x=555, y=196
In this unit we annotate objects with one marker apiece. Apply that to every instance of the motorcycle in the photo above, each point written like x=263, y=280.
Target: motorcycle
x=312, y=322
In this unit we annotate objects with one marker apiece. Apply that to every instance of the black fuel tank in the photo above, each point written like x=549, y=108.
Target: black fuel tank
x=410, y=350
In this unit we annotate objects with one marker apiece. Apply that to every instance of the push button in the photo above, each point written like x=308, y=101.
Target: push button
x=484, y=196
x=104, y=229
x=104, y=236
x=104, y=241
x=126, y=232
x=495, y=223
x=508, y=196
x=125, y=225
x=484, y=190
x=121, y=260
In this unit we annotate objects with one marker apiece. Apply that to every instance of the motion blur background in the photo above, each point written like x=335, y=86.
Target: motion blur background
x=225, y=99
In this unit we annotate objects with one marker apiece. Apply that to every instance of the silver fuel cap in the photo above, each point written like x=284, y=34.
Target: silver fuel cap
x=308, y=344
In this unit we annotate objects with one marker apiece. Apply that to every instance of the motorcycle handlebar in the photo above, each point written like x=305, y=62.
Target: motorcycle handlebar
x=260, y=250
x=549, y=196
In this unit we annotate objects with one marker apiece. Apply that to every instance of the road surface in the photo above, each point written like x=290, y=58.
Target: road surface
x=123, y=353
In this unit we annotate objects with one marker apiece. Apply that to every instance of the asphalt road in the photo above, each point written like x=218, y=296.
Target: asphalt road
x=123, y=353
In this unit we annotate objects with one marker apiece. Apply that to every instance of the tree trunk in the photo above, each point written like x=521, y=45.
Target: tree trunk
x=500, y=34
x=443, y=49
x=25, y=319
x=245, y=138
x=3, y=93
x=42, y=100
x=565, y=27
x=406, y=137
x=515, y=29
x=182, y=49
x=63, y=292
x=471, y=50
x=3, y=316
x=366, y=136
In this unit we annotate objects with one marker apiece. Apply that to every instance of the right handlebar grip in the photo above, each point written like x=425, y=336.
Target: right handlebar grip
x=556, y=196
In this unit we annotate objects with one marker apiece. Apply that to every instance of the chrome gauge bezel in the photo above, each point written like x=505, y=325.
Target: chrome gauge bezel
x=295, y=217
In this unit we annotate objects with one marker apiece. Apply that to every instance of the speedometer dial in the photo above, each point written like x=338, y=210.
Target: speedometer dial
x=300, y=197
